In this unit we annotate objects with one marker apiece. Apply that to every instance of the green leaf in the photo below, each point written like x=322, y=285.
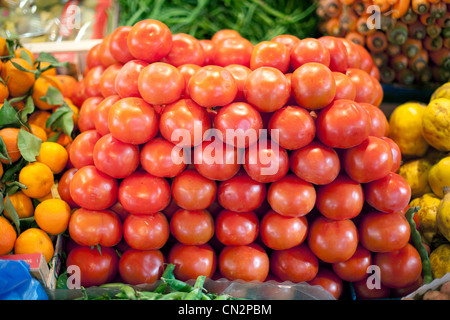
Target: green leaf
x=26, y=56
x=4, y=155
x=47, y=57
x=53, y=97
x=8, y=116
x=19, y=67
x=14, y=186
x=12, y=213
x=54, y=137
x=11, y=174
x=29, y=145
x=61, y=119
x=27, y=110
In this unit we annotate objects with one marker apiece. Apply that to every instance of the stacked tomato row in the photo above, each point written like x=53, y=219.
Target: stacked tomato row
x=235, y=160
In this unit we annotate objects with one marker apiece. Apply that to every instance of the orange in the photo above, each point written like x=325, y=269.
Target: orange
x=39, y=118
x=38, y=132
x=19, y=105
x=22, y=203
x=1, y=170
x=8, y=236
x=10, y=137
x=52, y=216
x=18, y=82
x=34, y=240
x=3, y=47
x=40, y=89
x=63, y=139
x=4, y=92
x=22, y=52
x=38, y=178
x=67, y=84
x=54, y=155
x=49, y=72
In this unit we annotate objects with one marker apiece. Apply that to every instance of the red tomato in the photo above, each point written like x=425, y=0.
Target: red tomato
x=212, y=86
x=267, y=89
x=288, y=40
x=291, y=196
x=368, y=161
x=233, y=50
x=161, y=83
x=295, y=127
x=328, y=280
x=309, y=50
x=379, y=93
x=105, y=53
x=383, y=232
x=127, y=79
x=82, y=148
x=266, y=161
x=149, y=40
x=365, y=86
x=146, y=231
x=363, y=292
x=224, y=34
x=345, y=89
x=108, y=80
x=185, y=49
x=280, y=232
x=270, y=54
x=343, y=124
x=236, y=228
x=192, y=191
x=92, y=189
x=332, y=240
x=400, y=268
x=313, y=85
x=139, y=267
x=379, y=123
x=216, y=160
x=95, y=227
x=93, y=57
x=92, y=82
x=208, y=50
x=64, y=187
x=338, y=53
x=187, y=70
x=184, y=123
x=341, y=199
x=241, y=193
x=366, y=59
x=192, y=227
x=353, y=55
x=78, y=95
x=396, y=153
x=143, y=193
x=315, y=163
x=239, y=124
x=87, y=111
x=375, y=72
x=240, y=74
x=247, y=263
x=192, y=261
x=96, y=267
x=391, y=193
x=102, y=112
x=118, y=44
x=161, y=158
x=355, y=268
x=114, y=157
x=297, y=264
x=132, y=120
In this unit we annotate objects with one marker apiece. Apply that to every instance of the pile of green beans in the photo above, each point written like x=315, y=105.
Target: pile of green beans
x=169, y=289
x=255, y=20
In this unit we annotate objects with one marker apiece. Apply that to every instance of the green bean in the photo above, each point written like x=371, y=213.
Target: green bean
x=417, y=241
x=173, y=296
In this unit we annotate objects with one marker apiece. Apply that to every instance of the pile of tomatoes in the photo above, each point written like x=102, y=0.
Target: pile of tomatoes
x=306, y=189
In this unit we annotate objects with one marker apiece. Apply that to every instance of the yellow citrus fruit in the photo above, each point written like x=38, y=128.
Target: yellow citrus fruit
x=54, y=155
x=10, y=137
x=39, y=132
x=46, y=197
x=35, y=240
x=52, y=216
x=40, y=89
x=436, y=124
x=18, y=82
x=39, y=118
x=22, y=203
x=416, y=173
x=443, y=215
x=4, y=92
x=23, y=52
x=405, y=128
x=38, y=178
x=440, y=260
x=439, y=176
x=49, y=72
x=8, y=236
x=428, y=204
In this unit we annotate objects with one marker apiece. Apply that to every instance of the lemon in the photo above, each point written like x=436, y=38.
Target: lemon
x=443, y=215
x=439, y=176
x=436, y=124
x=428, y=204
x=416, y=173
x=405, y=128
x=440, y=260
x=442, y=92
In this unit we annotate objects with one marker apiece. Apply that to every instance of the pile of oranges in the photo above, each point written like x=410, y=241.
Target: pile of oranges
x=35, y=132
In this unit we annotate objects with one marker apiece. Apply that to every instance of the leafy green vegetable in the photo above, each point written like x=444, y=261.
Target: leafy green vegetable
x=29, y=145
